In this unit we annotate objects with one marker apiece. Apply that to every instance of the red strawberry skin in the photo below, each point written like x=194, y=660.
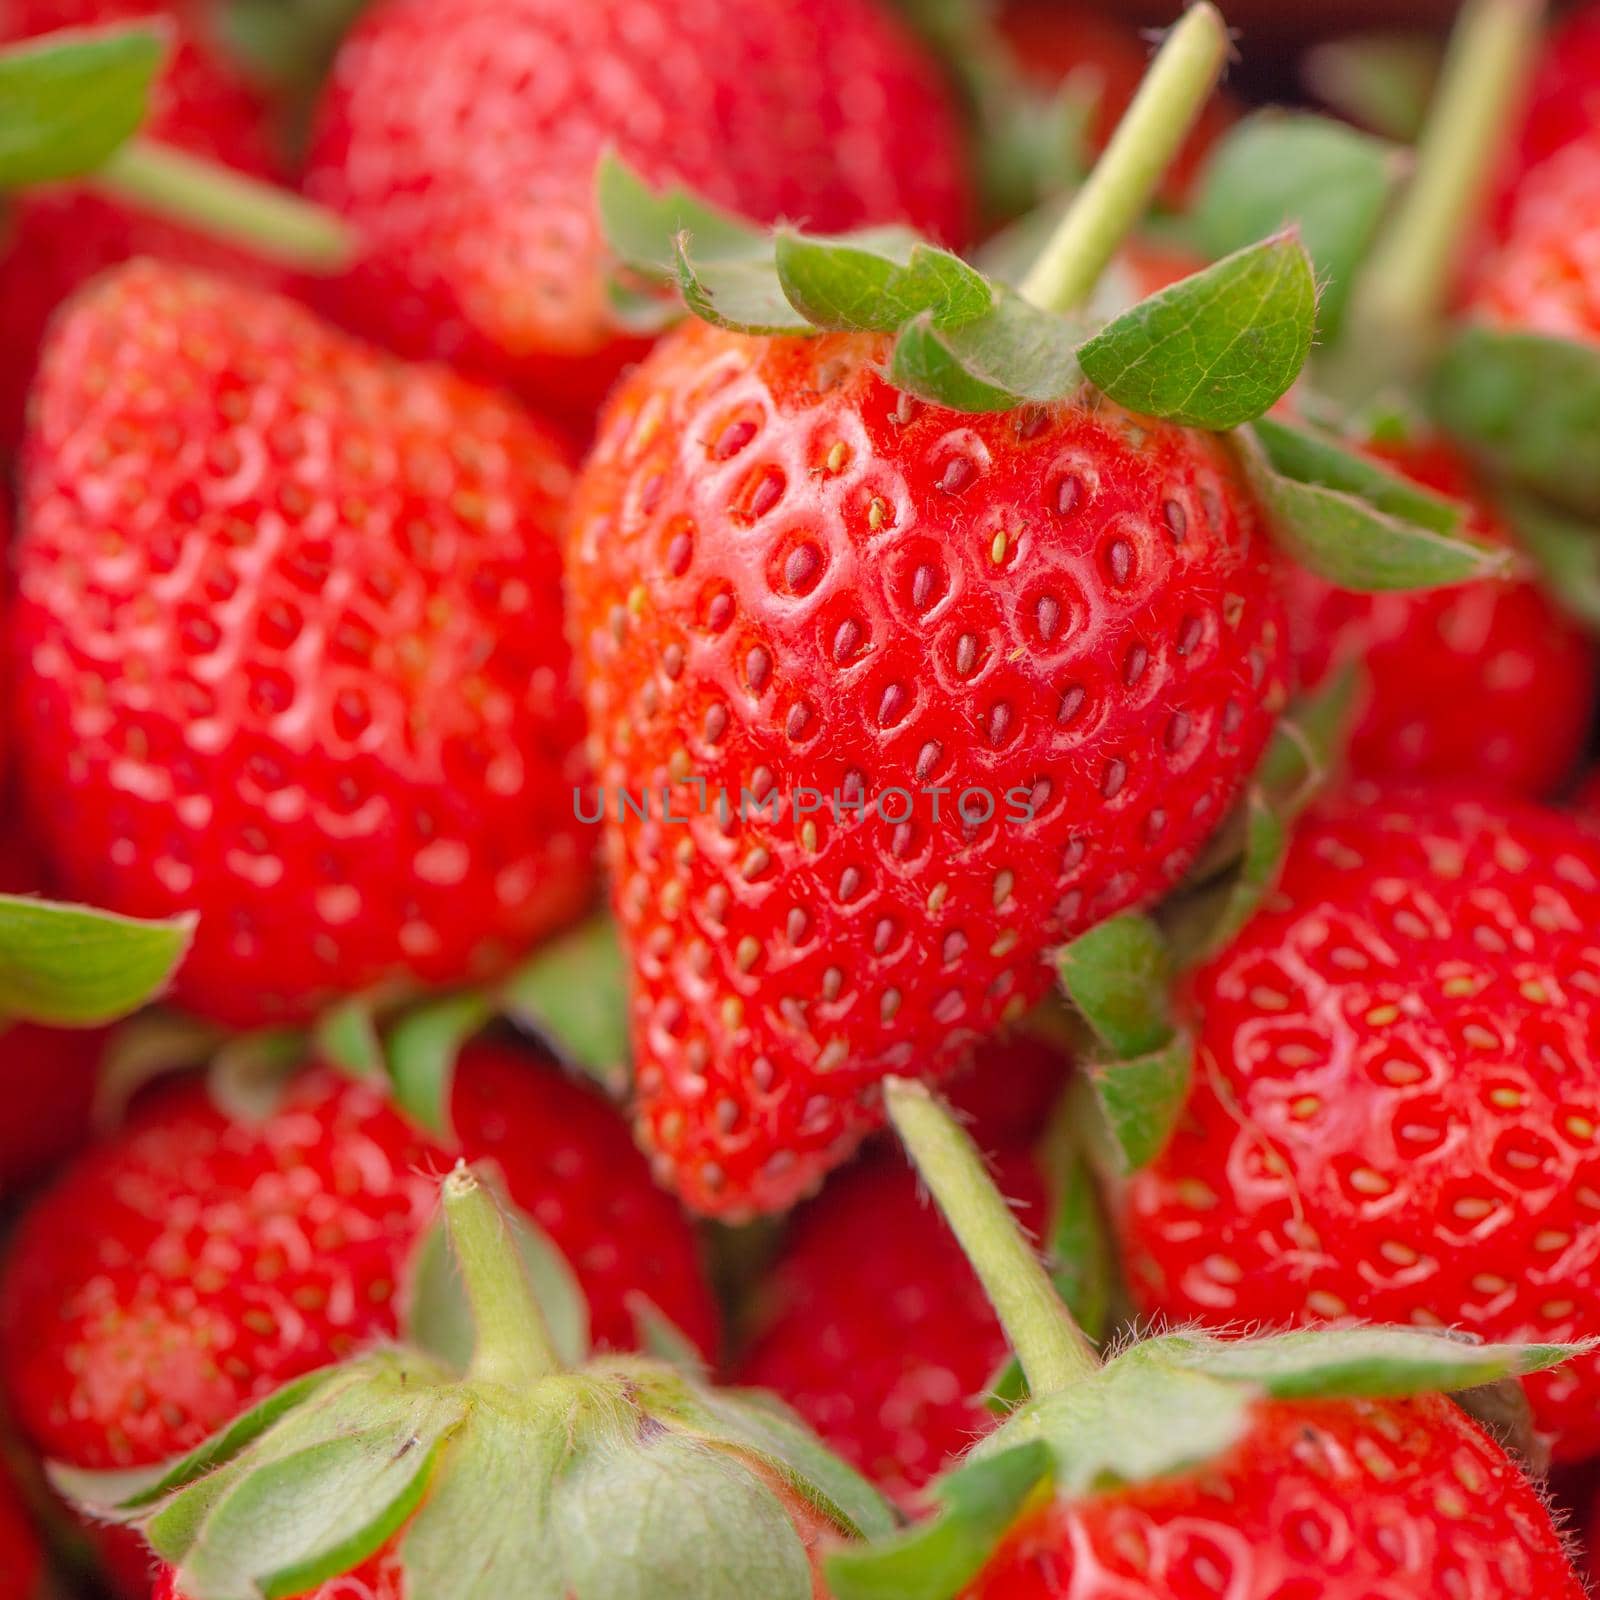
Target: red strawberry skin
x=55, y=239
x=1321, y=1500
x=460, y=136
x=786, y=575
x=1396, y=1109
x=22, y=1567
x=289, y=648
x=226, y=1257
x=1485, y=682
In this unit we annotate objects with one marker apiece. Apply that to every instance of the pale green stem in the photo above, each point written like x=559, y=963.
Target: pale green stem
x=213, y=199
x=1052, y=1349
x=513, y=1341
x=1152, y=132
x=1401, y=293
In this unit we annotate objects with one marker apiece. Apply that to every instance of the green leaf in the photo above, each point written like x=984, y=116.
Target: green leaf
x=1354, y=523
x=1565, y=550
x=1280, y=169
x=1014, y=354
x=1217, y=349
x=1203, y=925
x=1143, y=1097
x=439, y=1316
x=75, y=967
x=1529, y=407
x=669, y=1519
x=573, y=992
x=1308, y=744
x=347, y=1038
x=423, y=1047
x=153, y=1044
x=288, y=43
x=878, y=280
x=934, y=1560
x=643, y=225
x=69, y=100
x=1117, y=975
x=1078, y=1248
x=1370, y=1361
x=250, y=1072
x=736, y=291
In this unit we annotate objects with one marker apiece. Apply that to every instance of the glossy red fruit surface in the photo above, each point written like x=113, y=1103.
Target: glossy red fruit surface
x=1396, y=1113
x=1321, y=1500
x=460, y=136
x=54, y=239
x=22, y=1564
x=226, y=1256
x=289, y=648
x=1485, y=682
x=787, y=576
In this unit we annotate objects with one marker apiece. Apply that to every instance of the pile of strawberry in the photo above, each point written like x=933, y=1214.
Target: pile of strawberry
x=622, y=615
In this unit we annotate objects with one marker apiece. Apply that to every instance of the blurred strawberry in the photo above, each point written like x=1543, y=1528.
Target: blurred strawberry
x=22, y=1563
x=460, y=136
x=1486, y=680
x=52, y=240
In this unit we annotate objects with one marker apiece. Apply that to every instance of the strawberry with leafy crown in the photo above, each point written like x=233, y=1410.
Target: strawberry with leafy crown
x=459, y=138
x=522, y=1472
x=54, y=239
x=870, y=1324
x=1397, y=1091
x=978, y=655
x=288, y=648
x=1327, y=1464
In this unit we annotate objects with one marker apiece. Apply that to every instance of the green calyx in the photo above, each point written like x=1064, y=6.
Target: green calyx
x=517, y=1475
x=72, y=105
x=1160, y=1407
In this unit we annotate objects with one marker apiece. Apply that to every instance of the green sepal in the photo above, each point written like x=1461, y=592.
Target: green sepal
x=70, y=100
x=287, y=43
x=1528, y=406
x=661, y=1338
x=1142, y=1097
x=978, y=1502
x=438, y=1317
x=1279, y=168
x=424, y=1046
x=346, y=1037
x=573, y=993
x=877, y=280
x=1352, y=521
x=736, y=290
x=1117, y=975
x=249, y=1074
x=1218, y=348
x=643, y=225
x=148, y=1047
x=1383, y=81
x=1015, y=354
x=75, y=967
x=1565, y=550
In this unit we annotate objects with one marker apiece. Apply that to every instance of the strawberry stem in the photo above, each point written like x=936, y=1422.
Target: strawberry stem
x=1152, y=132
x=261, y=218
x=1399, y=298
x=1051, y=1347
x=514, y=1345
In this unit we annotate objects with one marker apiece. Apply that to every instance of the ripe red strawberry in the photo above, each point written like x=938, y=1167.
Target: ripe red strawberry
x=226, y=1256
x=22, y=1564
x=1564, y=98
x=288, y=633
x=787, y=575
x=460, y=136
x=1335, y=1499
x=1486, y=681
x=873, y=1327
x=1397, y=1101
x=53, y=240
x=1055, y=43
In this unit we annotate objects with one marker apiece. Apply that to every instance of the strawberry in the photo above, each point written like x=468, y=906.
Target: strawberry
x=609, y=1476
x=1397, y=1092
x=787, y=575
x=1265, y=1468
x=289, y=648
x=229, y=1255
x=1498, y=646
x=22, y=1564
x=459, y=137
x=1563, y=101
x=52, y=240
x=872, y=1326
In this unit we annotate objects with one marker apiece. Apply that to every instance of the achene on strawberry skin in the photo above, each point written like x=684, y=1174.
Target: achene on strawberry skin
x=786, y=575
x=1397, y=1093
